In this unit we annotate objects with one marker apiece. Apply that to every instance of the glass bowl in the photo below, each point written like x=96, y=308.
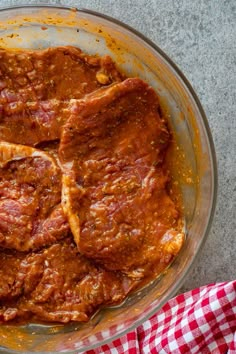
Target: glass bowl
x=44, y=26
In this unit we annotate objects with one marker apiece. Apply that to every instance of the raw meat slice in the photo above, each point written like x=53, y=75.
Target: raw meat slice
x=58, y=284
x=60, y=72
x=36, y=85
x=31, y=123
x=31, y=215
x=114, y=184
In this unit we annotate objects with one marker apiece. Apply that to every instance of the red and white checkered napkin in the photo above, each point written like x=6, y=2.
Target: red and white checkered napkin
x=200, y=321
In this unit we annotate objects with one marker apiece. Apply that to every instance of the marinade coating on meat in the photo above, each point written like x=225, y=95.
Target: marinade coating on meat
x=31, y=123
x=36, y=85
x=60, y=72
x=10, y=284
x=108, y=185
x=57, y=285
x=31, y=215
x=114, y=185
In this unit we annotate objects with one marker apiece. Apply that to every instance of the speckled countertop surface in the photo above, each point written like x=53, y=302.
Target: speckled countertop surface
x=200, y=37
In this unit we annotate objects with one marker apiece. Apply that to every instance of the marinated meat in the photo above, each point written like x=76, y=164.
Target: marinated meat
x=32, y=123
x=31, y=215
x=85, y=213
x=10, y=283
x=58, y=284
x=35, y=84
x=61, y=73
x=114, y=184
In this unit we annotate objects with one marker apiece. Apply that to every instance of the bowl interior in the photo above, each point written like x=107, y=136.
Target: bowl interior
x=40, y=27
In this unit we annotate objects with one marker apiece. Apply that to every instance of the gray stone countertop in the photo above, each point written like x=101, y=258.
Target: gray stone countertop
x=200, y=37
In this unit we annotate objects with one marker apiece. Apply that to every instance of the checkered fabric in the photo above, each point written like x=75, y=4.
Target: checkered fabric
x=201, y=321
